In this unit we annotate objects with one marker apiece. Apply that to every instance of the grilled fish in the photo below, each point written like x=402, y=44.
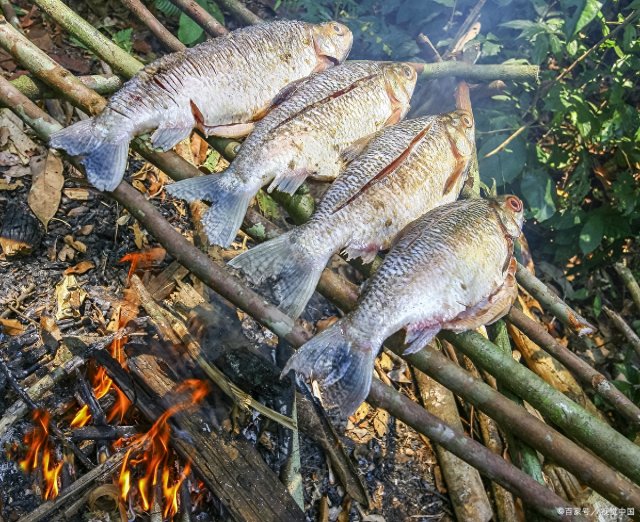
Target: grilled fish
x=404, y=171
x=451, y=269
x=221, y=86
x=307, y=134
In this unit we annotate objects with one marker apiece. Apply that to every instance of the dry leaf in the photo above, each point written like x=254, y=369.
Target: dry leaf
x=46, y=187
x=360, y=413
x=380, y=423
x=81, y=268
x=11, y=326
x=66, y=253
x=11, y=186
x=138, y=236
x=50, y=333
x=17, y=171
x=79, y=194
x=144, y=259
x=85, y=230
x=69, y=297
x=123, y=220
x=8, y=160
x=75, y=244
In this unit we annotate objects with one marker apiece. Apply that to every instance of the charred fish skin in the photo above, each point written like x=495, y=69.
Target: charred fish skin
x=221, y=86
x=452, y=269
x=304, y=136
x=406, y=170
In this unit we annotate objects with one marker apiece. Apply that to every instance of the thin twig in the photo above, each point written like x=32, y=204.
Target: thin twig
x=239, y=11
x=630, y=282
x=622, y=325
x=199, y=15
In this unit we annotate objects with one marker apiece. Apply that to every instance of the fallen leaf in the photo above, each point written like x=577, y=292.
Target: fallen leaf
x=17, y=171
x=12, y=327
x=11, y=186
x=123, y=220
x=85, y=230
x=69, y=298
x=8, y=160
x=77, y=193
x=46, y=187
x=144, y=259
x=399, y=375
x=75, y=244
x=380, y=423
x=50, y=332
x=66, y=253
x=81, y=268
x=138, y=236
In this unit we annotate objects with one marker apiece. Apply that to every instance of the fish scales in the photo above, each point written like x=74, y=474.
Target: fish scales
x=305, y=135
x=221, y=86
x=404, y=171
x=453, y=269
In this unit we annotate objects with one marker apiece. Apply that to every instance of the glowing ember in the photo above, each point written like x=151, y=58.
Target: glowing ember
x=39, y=454
x=157, y=456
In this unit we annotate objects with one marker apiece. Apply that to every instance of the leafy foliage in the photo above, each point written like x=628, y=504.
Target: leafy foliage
x=568, y=146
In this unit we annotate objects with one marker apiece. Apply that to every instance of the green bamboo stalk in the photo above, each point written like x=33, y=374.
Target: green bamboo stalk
x=594, y=473
x=109, y=51
x=601, y=438
x=34, y=89
x=465, y=71
x=199, y=15
x=552, y=302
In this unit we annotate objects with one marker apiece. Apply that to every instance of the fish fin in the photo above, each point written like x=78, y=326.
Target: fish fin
x=290, y=272
x=418, y=337
x=228, y=204
x=287, y=91
x=165, y=138
x=462, y=168
x=357, y=147
x=237, y=130
x=104, y=159
x=367, y=253
x=341, y=364
x=288, y=183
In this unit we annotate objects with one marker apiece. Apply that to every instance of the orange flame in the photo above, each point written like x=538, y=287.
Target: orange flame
x=157, y=454
x=82, y=418
x=39, y=454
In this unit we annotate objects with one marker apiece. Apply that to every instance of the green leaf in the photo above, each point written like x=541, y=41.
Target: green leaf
x=591, y=234
x=189, y=32
x=538, y=190
x=505, y=165
x=267, y=205
x=167, y=8
x=124, y=38
x=586, y=11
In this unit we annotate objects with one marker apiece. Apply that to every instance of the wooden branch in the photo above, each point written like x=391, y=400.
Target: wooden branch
x=517, y=73
x=199, y=15
x=580, y=368
x=630, y=282
x=103, y=432
x=155, y=26
x=464, y=484
x=613, y=447
x=552, y=302
x=87, y=481
x=219, y=459
x=239, y=11
x=466, y=448
x=622, y=325
x=10, y=13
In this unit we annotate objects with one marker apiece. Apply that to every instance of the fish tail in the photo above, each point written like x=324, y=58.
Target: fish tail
x=103, y=156
x=228, y=204
x=291, y=271
x=342, y=363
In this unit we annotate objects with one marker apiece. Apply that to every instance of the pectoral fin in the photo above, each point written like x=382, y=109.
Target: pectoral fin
x=237, y=130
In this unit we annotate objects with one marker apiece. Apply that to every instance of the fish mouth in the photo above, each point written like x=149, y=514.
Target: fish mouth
x=331, y=59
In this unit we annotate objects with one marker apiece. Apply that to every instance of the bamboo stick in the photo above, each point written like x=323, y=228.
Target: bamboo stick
x=581, y=369
x=10, y=14
x=601, y=438
x=552, y=302
x=622, y=325
x=464, y=485
x=630, y=282
x=199, y=15
x=239, y=11
x=610, y=484
x=155, y=26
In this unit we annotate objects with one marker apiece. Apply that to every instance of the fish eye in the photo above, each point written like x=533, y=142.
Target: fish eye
x=408, y=71
x=467, y=120
x=337, y=28
x=514, y=203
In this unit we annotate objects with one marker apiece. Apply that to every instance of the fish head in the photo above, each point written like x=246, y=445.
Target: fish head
x=461, y=130
x=332, y=42
x=510, y=210
x=400, y=79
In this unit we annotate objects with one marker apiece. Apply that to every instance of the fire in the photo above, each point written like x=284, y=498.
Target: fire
x=82, y=418
x=157, y=456
x=39, y=454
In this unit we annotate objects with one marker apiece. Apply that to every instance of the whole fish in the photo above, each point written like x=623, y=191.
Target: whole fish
x=306, y=135
x=221, y=86
x=406, y=170
x=451, y=269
